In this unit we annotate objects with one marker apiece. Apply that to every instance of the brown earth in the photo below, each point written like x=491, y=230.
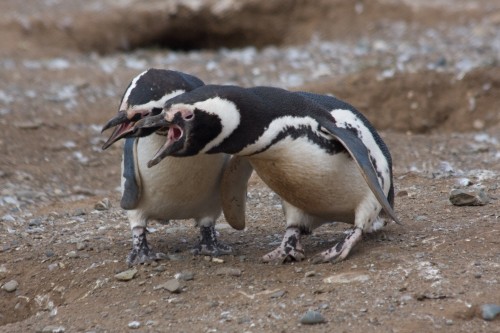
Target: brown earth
x=432, y=274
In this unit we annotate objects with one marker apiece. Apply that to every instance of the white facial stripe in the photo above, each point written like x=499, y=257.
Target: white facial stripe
x=275, y=127
x=133, y=84
x=158, y=103
x=227, y=112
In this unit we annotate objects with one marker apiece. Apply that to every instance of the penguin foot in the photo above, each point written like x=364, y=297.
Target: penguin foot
x=141, y=251
x=289, y=250
x=341, y=249
x=209, y=245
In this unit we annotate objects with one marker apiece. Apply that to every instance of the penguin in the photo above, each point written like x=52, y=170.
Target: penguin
x=318, y=153
x=175, y=189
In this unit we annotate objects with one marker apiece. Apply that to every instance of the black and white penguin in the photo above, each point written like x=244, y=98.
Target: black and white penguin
x=319, y=154
x=174, y=189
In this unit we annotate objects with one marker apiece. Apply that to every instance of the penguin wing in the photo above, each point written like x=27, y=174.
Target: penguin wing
x=359, y=153
x=234, y=191
x=131, y=187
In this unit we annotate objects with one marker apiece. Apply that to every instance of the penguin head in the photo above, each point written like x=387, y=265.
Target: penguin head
x=188, y=130
x=146, y=95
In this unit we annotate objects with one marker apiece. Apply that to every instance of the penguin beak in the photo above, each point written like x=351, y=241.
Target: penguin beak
x=120, y=118
x=174, y=134
x=125, y=126
x=157, y=121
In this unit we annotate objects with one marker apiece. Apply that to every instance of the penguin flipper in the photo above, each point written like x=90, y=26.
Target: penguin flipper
x=359, y=153
x=131, y=187
x=234, y=191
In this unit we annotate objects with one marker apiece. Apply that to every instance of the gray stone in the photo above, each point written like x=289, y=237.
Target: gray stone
x=173, y=285
x=104, y=204
x=80, y=246
x=310, y=274
x=469, y=197
x=127, y=275
x=53, y=329
x=348, y=277
x=10, y=286
x=72, y=254
x=312, y=317
x=277, y=294
x=228, y=271
x=35, y=222
x=134, y=324
x=490, y=311
x=185, y=276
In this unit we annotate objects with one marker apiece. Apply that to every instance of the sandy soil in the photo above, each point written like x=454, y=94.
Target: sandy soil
x=426, y=75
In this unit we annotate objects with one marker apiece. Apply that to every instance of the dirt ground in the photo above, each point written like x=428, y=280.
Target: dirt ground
x=63, y=68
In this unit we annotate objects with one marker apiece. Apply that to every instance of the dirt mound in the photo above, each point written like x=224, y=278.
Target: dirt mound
x=110, y=26
x=424, y=101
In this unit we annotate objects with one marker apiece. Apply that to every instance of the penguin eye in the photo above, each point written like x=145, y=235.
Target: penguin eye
x=188, y=116
x=156, y=111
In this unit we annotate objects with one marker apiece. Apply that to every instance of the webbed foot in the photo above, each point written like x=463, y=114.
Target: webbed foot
x=141, y=251
x=289, y=250
x=341, y=249
x=209, y=245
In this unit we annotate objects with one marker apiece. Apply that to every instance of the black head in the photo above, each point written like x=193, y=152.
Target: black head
x=146, y=95
x=191, y=129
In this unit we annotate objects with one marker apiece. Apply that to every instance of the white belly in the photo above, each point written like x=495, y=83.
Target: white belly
x=326, y=186
x=178, y=188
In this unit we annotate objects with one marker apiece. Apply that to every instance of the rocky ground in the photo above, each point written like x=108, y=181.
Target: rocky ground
x=425, y=73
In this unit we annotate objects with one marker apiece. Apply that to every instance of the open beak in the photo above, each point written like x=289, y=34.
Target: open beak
x=175, y=133
x=125, y=126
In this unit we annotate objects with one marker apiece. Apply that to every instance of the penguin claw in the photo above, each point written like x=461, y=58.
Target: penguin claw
x=209, y=245
x=341, y=249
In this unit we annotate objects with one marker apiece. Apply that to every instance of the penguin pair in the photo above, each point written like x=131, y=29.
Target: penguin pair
x=319, y=154
x=177, y=188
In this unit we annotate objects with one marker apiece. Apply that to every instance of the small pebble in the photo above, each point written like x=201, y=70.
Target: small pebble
x=8, y=218
x=469, y=197
x=185, y=276
x=134, y=324
x=104, y=204
x=312, y=317
x=10, y=286
x=174, y=257
x=347, y=278
x=53, y=266
x=310, y=274
x=277, y=294
x=218, y=260
x=79, y=212
x=490, y=311
x=72, y=254
x=80, y=246
x=173, y=285
x=53, y=329
x=228, y=271
x=127, y=275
